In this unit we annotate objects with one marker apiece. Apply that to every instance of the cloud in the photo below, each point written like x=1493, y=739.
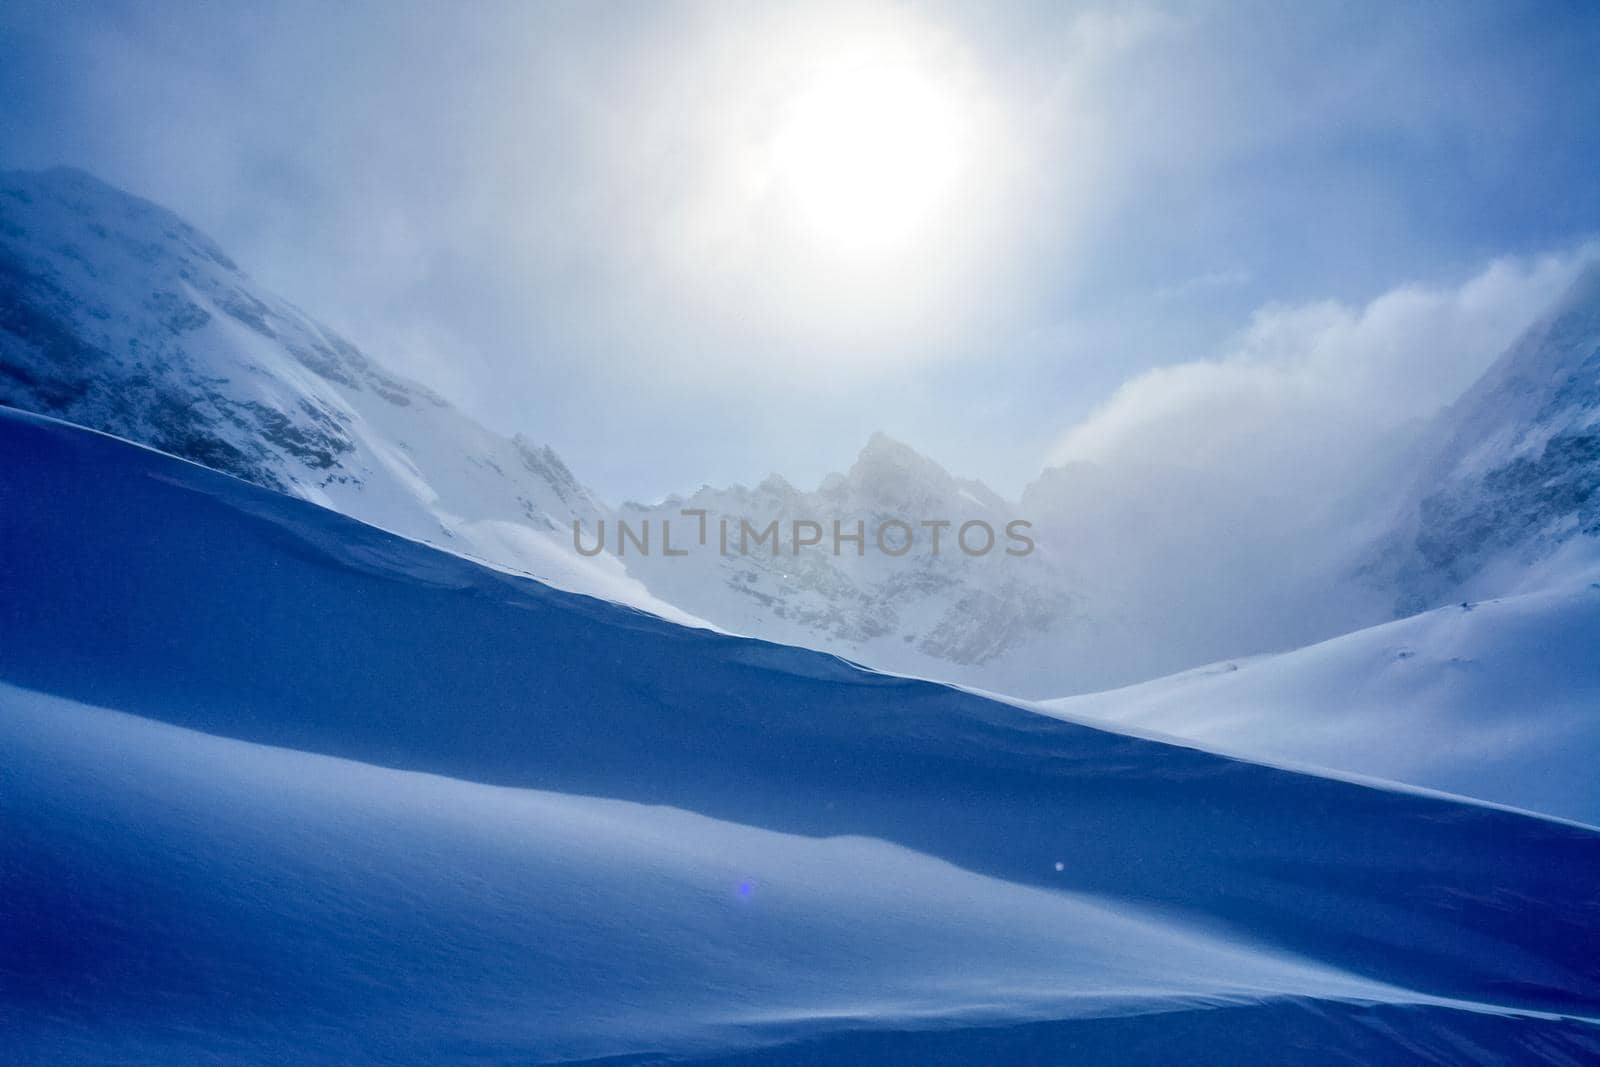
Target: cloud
x=1303, y=384
x=1225, y=503
x=566, y=217
x=1203, y=284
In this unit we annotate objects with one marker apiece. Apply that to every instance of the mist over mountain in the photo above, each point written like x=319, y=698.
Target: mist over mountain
x=1509, y=499
x=121, y=317
x=117, y=315
x=990, y=618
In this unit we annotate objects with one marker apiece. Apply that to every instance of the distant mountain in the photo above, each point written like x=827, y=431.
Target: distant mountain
x=991, y=618
x=1495, y=691
x=1510, y=498
x=1497, y=495
x=117, y=315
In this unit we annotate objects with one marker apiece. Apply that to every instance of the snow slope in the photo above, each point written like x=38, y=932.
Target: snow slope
x=281, y=786
x=1498, y=699
x=636, y=908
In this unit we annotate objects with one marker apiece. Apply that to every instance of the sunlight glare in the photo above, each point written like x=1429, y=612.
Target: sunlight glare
x=868, y=153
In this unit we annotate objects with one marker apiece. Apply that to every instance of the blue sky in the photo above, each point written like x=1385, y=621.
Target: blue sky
x=568, y=217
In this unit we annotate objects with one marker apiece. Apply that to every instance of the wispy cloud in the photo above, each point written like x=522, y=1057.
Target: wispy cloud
x=1230, y=499
x=1303, y=382
x=562, y=214
x=1209, y=282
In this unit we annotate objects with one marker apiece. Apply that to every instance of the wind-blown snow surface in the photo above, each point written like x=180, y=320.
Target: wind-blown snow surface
x=635, y=908
x=1498, y=699
x=281, y=787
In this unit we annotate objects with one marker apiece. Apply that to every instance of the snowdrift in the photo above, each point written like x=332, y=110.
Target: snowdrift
x=282, y=787
x=1498, y=699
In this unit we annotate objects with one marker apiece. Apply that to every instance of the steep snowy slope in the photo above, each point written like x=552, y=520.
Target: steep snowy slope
x=1498, y=699
x=661, y=841
x=1510, y=501
x=118, y=315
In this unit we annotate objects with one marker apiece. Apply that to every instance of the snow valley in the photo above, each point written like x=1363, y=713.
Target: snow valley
x=340, y=728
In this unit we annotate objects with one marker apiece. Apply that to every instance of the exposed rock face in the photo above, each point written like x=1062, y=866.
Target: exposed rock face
x=1516, y=481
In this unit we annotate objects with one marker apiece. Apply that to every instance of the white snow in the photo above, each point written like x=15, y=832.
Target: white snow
x=1497, y=699
x=281, y=787
x=579, y=926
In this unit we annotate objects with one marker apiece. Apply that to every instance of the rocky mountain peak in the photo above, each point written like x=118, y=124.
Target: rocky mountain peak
x=890, y=476
x=1517, y=478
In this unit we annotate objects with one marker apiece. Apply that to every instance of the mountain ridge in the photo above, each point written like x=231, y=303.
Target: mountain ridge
x=116, y=314
x=121, y=317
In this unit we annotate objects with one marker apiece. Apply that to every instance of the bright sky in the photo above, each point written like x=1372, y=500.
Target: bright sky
x=698, y=242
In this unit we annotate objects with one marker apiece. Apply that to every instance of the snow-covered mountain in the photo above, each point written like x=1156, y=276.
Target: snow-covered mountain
x=1510, y=498
x=1005, y=618
x=117, y=315
x=620, y=837
x=1495, y=692
x=282, y=787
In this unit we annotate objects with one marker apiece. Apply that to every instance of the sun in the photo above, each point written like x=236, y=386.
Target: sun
x=868, y=152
